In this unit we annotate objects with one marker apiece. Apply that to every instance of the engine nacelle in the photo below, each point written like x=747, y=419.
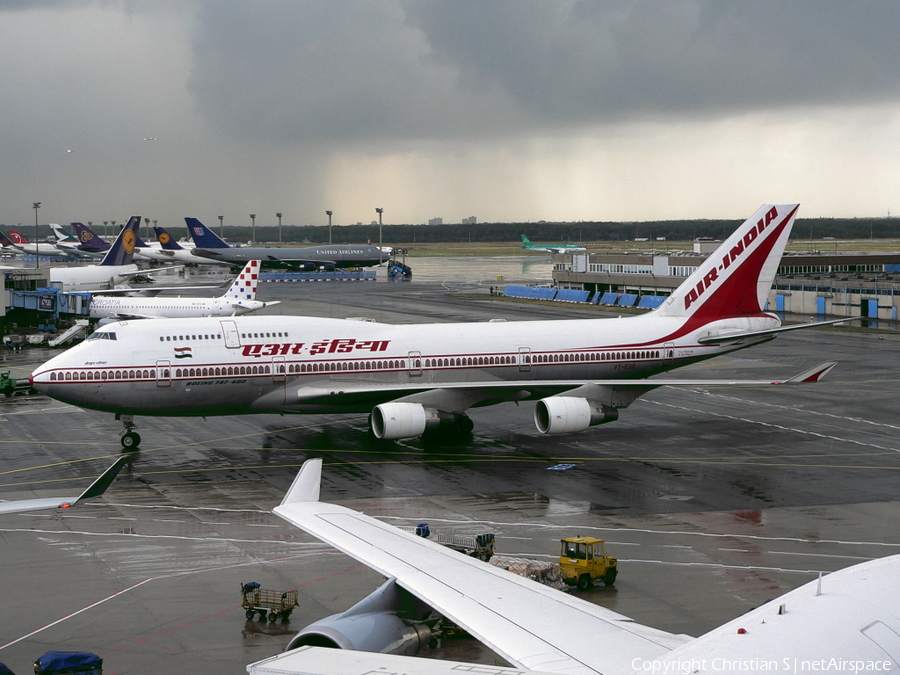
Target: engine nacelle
x=565, y=414
x=402, y=420
x=371, y=625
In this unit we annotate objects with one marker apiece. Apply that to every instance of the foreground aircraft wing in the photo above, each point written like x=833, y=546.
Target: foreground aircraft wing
x=529, y=624
x=95, y=489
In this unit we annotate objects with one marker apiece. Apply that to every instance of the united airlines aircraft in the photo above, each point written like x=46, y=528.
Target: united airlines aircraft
x=413, y=377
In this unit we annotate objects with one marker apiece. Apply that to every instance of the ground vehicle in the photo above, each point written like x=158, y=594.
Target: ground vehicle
x=583, y=561
x=479, y=546
x=274, y=603
x=7, y=383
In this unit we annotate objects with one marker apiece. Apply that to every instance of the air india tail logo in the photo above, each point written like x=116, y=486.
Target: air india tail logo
x=164, y=238
x=128, y=241
x=734, y=255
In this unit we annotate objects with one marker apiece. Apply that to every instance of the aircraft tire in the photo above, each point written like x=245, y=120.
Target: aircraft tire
x=130, y=441
x=463, y=423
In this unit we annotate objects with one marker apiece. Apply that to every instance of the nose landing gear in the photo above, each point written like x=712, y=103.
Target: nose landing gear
x=130, y=439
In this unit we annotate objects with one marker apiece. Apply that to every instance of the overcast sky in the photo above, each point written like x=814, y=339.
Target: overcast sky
x=502, y=109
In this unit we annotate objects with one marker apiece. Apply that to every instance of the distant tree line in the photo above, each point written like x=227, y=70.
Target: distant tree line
x=674, y=230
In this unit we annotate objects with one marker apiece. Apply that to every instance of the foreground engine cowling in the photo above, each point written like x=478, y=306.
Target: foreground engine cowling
x=371, y=625
x=565, y=414
x=402, y=420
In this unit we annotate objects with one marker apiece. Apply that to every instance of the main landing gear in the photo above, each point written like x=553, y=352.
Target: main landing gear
x=130, y=438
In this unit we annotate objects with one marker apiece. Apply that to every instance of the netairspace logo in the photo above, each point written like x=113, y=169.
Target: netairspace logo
x=791, y=665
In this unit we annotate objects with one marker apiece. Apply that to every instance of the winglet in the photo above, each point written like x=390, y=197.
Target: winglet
x=813, y=374
x=306, y=485
x=98, y=487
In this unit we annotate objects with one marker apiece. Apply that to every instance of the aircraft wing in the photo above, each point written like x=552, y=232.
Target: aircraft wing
x=529, y=624
x=95, y=489
x=460, y=396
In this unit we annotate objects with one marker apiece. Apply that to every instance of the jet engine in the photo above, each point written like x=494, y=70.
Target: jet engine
x=565, y=414
x=402, y=420
x=385, y=622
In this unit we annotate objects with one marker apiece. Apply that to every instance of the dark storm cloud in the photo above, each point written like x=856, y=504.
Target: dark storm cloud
x=460, y=68
x=595, y=61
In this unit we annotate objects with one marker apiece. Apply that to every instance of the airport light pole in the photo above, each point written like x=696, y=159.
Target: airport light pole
x=328, y=213
x=253, y=228
x=113, y=223
x=279, y=228
x=379, y=211
x=221, y=227
x=105, y=223
x=37, y=247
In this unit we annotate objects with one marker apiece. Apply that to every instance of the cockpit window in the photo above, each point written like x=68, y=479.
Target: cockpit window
x=102, y=335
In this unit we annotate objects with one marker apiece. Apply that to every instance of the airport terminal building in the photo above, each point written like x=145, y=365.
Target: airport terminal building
x=865, y=285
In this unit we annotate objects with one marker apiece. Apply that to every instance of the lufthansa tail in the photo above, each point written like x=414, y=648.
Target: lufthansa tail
x=122, y=250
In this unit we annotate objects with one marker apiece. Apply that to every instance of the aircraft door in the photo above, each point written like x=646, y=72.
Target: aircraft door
x=163, y=374
x=524, y=359
x=415, y=364
x=231, y=334
x=279, y=369
x=668, y=351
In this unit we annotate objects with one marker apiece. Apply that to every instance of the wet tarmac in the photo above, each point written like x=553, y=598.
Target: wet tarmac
x=714, y=501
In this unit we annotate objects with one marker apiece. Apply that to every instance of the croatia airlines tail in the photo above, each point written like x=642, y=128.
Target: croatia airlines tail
x=412, y=378
x=846, y=621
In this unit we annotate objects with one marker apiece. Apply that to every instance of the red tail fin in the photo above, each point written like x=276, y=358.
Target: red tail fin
x=735, y=280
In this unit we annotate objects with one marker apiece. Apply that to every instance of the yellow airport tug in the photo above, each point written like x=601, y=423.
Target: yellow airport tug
x=583, y=562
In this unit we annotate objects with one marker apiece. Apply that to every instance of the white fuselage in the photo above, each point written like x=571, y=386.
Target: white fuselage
x=90, y=277
x=108, y=306
x=306, y=364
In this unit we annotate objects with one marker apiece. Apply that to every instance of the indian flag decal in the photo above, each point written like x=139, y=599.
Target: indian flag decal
x=183, y=353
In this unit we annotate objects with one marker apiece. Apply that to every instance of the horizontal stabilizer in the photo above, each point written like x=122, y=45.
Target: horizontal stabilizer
x=725, y=337
x=813, y=374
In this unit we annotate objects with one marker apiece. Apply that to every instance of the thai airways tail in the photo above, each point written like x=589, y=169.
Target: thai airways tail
x=90, y=240
x=735, y=280
x=122, y=250
x=166, y=241
x=203, y=236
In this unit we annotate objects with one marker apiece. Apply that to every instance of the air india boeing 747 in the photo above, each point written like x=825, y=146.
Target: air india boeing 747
x=413, y=377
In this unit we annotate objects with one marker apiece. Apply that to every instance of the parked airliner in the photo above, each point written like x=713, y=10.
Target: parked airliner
x=240, y=298
x=846, y=622
x=328, y=257
x=116, y=267
x=551, y=248
x=20, y=243
x=412, y=377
